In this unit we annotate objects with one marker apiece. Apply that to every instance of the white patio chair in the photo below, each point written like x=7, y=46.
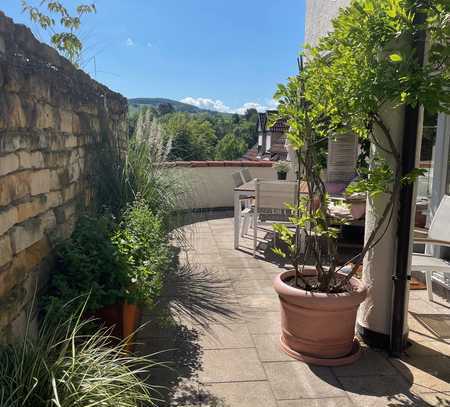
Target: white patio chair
x=246, y=202
x=438, y=235
x=271, y=199
x=246, y=176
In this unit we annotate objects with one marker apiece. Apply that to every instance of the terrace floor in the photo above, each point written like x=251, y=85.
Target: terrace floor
x=223, y=349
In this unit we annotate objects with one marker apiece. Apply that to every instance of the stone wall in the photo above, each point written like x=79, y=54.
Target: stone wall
x=53, y=118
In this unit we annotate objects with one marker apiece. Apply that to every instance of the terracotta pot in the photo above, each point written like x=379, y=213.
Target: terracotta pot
x=319, y=328
x=111, y=316
x=358, y=209
x=131, y=315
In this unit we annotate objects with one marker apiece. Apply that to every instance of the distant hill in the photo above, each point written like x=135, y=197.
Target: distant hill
x=137, y=103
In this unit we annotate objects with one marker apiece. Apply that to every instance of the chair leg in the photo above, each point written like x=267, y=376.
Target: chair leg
x=255, y=233
x=245, y=225
x=429, y=285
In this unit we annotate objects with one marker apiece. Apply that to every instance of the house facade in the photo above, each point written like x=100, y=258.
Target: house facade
x=271, y=144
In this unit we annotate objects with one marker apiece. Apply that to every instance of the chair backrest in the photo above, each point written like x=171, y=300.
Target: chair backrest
x=237, y=179
x=246, y=176
x=440, y=225
x=275, y=194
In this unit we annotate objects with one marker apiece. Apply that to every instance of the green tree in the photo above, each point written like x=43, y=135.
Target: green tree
x=230, y=148
x=63, y=25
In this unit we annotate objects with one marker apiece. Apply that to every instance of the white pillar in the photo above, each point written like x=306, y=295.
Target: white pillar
x=374, y=316
x=268, y=141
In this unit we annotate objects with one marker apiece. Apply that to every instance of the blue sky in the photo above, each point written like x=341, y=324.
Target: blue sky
x=222, y=54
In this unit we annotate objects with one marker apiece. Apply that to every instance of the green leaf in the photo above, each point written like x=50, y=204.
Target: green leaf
x=395, y=58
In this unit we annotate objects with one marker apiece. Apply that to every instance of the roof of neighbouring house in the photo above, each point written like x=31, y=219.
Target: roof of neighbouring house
x=280, y=126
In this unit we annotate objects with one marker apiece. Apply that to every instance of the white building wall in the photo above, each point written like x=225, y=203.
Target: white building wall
x=319, y=14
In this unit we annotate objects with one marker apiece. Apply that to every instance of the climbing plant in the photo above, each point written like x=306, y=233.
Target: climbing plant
x=366, y=69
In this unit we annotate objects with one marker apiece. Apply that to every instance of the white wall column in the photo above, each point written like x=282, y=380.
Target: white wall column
x=374, y=316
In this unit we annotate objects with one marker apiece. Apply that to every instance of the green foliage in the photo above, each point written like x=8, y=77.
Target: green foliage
x=367, y=64
x=230, y=148
x=282, y=166
x=142, y=241
x=208, y=136
x=87, y=263
x=65, y=41
x=60, y=367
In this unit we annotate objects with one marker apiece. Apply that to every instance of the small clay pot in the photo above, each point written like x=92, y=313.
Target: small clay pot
x=358, y=209
x=319, y=328
x=282, y=176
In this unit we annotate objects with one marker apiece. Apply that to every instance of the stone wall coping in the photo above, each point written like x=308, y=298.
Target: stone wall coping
x=196, y=164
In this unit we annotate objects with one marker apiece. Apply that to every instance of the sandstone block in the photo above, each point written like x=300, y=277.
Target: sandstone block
x=16, y=114
x=14, y=186
x=5, y=250
x=71, y=141
x=33, y=159
x=54, y=199
x=8, y=218
x=48, y=221
x=26, y=234
x=40, y=182
x=28, y=210
x=8, y=163
x=65, y=121
x=45, y=117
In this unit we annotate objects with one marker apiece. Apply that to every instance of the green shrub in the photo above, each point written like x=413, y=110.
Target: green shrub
x=142, y=240
x=62, y=368
x=88, y=263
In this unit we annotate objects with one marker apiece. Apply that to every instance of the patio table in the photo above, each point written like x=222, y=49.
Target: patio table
x=248, y=189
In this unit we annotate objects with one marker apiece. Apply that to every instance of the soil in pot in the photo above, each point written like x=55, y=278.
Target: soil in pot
x=319, y=328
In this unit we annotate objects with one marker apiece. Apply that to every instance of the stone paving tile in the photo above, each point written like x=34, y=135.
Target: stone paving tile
x=425, y=373
x=436, y=399
x=294, y=380
x=268, y=348
x=231, y=365
x=370, y=363
x=263, y=322
x=244, y=394
x=250, y=287
x=323, y=402
x=229, y=336
x=248, y=273
x=418, y=332
x=380, y=391
x=429, y=347
x=254, y=303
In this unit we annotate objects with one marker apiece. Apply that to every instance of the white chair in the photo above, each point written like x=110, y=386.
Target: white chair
x=246, y=176
x=438, y=235
x=246, y=202
x=271, y=199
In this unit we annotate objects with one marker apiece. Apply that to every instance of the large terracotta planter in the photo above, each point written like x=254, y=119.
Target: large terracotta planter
x=111, y=316
x=319, y=328
x=131, y=316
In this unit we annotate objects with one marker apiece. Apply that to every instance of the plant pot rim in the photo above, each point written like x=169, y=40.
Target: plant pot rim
x=285, y=290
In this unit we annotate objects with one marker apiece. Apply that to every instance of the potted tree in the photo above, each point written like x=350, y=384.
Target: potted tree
x=353, y=76
x=282, y=168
